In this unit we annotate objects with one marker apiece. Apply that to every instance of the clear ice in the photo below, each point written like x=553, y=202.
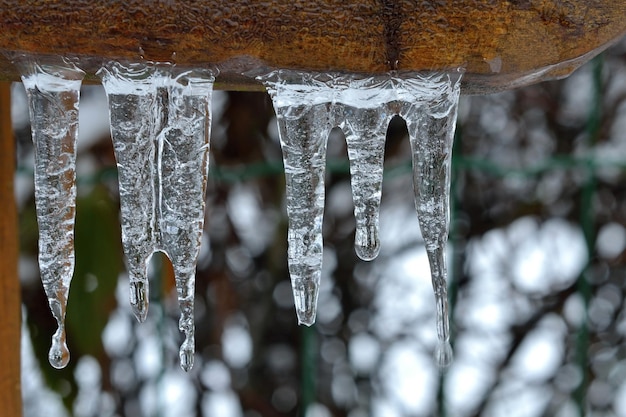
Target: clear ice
x=160, y=125
x=308, y=106
x=53, y=92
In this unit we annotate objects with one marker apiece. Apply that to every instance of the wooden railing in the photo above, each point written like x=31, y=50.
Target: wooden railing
x=10, y=397
x=501, y=44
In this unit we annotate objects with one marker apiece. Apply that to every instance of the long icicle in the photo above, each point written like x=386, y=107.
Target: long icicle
x=304, y=134
x=303, y=112
x=184, y=164
x=132, y=94
x=53, y=97
x=431, y=123
x=160, y=124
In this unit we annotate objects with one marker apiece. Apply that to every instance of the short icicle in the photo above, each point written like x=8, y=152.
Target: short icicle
x=365, y=117
x=160, y=124
x=132, y=95
x=365, y=131
x=53, y=92
x=303, y=113
x=431, y=122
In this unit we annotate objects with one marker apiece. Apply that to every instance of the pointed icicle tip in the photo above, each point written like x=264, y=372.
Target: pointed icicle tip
x=186, y=355
x=307, y=317
x=305, y=294
x=53, y=91
x=139, y=300
x=444, y=355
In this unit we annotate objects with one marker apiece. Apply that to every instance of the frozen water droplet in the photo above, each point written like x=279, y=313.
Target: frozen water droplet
x=53, y=92
x=59, y=354
x=160, y=124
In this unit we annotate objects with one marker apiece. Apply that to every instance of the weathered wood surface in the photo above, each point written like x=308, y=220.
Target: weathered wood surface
x=10, y=322
x=502, y=44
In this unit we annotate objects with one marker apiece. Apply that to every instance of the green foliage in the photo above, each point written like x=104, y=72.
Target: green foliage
x=98, y=264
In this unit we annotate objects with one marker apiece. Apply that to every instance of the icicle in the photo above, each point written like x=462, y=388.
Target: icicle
x=304, y=120
x=160, y=125
x=364, y=120
x=431, y=123
x=53, y=95
x=365, y=131
x=132, y=95
x=184, y=147
x=307, y=107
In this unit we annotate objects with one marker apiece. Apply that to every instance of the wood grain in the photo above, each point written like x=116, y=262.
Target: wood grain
x=502, y=44
x=10, y=321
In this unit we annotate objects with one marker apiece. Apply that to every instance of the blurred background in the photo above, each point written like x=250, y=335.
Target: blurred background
x=537, y=260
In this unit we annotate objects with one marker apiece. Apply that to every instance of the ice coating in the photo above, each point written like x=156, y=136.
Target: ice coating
x=160, y=125
x=308, y=106
x=53, y=92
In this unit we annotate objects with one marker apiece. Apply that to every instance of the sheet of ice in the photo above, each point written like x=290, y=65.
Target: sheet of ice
x=53, y=92
x=308, y=106
x=160, y=125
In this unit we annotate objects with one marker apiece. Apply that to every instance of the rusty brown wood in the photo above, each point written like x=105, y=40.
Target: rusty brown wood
x=10, y=322
x=502, y=44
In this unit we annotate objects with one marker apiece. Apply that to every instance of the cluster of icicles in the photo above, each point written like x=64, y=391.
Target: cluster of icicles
x=160, y=125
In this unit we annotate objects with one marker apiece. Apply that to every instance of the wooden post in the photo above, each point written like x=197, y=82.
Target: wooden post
x=10, y=321
x=501, y=44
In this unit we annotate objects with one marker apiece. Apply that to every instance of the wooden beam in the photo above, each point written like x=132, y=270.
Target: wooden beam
x=501, y=44
x=10, y=317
